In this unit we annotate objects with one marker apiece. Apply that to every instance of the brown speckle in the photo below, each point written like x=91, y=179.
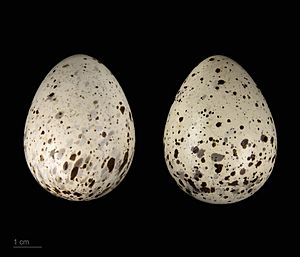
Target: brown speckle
x=122, y=109
x=65, y=166
x=59, y=115
x=234, y=152
x=244, y=143
x=111, y=164
x=125, y=159
x=234, y=183
x=175, y=153
x=195, y=149
x=92, y=183
x=221, y=82
x=218, y=168
x=74, y=173
x=51, y=95
x=258, y=164
x=264, y=138
x=73, y=157
x=216, y=157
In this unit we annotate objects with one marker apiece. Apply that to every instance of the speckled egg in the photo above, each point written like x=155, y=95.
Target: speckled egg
x=79, y=135
x=220, y=140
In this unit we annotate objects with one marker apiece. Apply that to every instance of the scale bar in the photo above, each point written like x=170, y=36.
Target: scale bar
x=28, y=246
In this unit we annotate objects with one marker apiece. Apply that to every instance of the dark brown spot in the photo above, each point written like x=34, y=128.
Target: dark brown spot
x=74, y=172
x=41, y=158
x=242, y=171
x=221, y=82
x=59, y=115
x=218, y=168
x=65, y=166
x=125, y=159
x=264, y=138
x=180, y=119
x=251, y=157
x=122, y=109
x=218, y=124
x=192, y=185
x=258, y=164
x=92, y=183
x=272, y=140
x=216, y=157
x=111, y=164
x=195, y=149
x=175, y=153
x=77, y=194
x=56, y=191
x=73, y=157
x=234, y=183
x=66, y=65
x=244, y=143
x=218, y=70
x=104, y=134
x=234, y=153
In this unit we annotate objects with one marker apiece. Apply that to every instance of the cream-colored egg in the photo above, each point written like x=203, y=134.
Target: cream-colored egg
x=220, y=138
x=79, y=135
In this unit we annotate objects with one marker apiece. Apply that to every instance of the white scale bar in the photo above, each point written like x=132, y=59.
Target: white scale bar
x=28, y=246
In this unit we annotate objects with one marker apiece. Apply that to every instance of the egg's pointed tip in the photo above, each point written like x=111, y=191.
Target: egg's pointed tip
x=217, y=56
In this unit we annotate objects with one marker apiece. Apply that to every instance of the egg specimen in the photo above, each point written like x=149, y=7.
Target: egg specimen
x=220, y=140
x=79, y=134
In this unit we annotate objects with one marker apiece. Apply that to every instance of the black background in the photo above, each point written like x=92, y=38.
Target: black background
x=150, y=50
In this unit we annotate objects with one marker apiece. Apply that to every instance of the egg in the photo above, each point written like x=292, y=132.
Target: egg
x=79, y=134
x=220, y=140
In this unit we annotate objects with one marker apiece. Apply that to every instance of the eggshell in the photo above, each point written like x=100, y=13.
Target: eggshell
x=220, y=140
x=79, y=135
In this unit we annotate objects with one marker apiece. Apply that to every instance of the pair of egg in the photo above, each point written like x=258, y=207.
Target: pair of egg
x=219, y=139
